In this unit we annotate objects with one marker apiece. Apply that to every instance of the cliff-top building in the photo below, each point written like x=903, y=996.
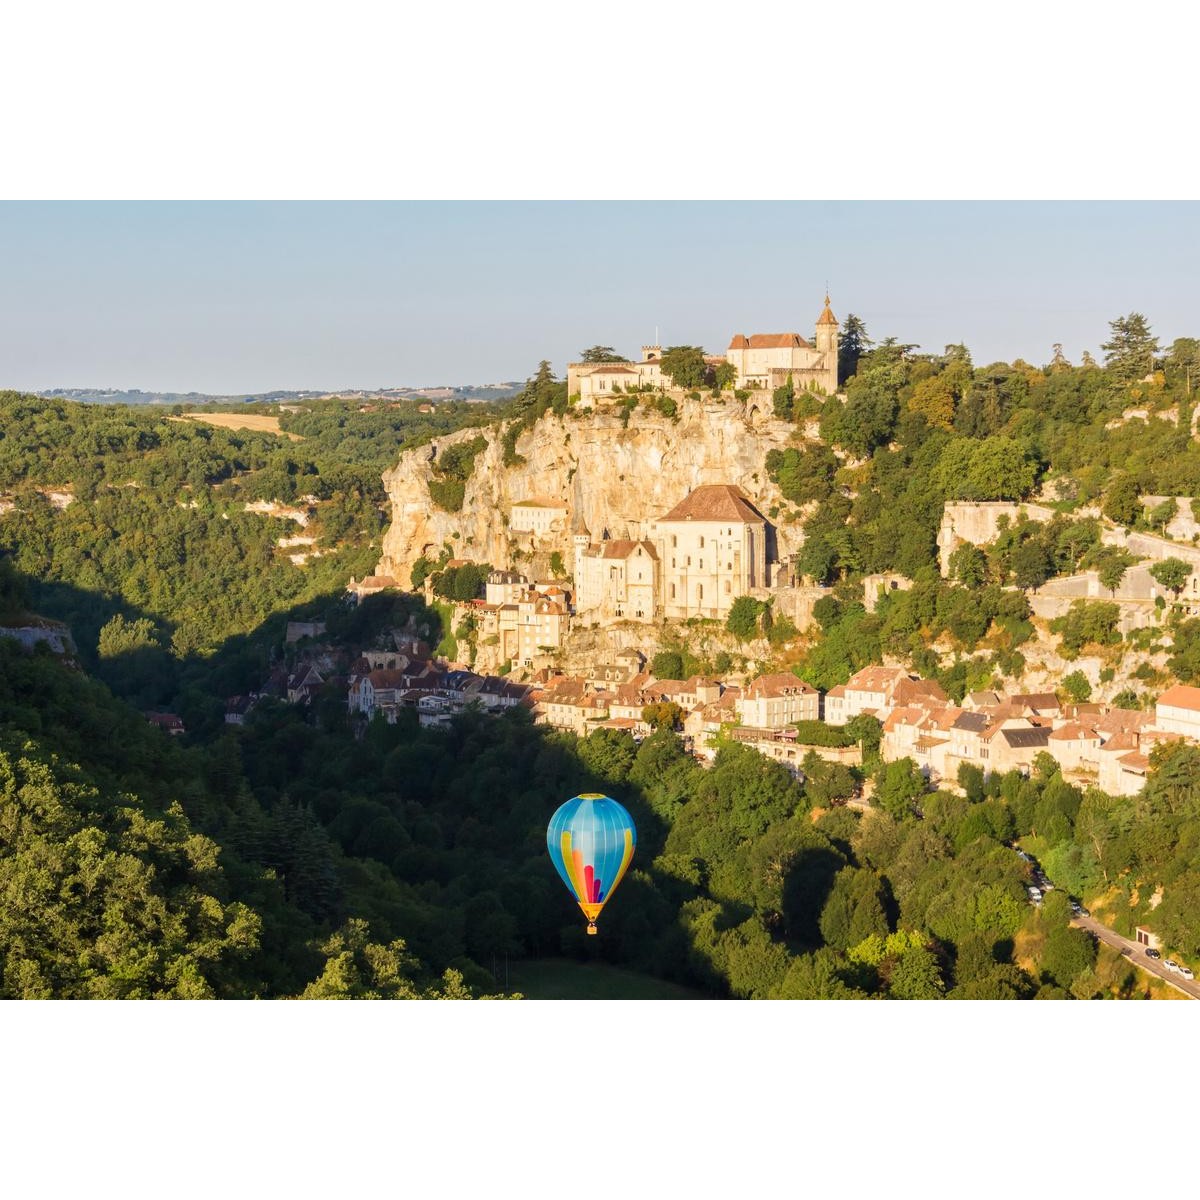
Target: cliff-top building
x=765, y=360
x=762, y=360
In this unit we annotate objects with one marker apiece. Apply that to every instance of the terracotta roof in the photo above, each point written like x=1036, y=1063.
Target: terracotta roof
x=837, y=691
x=925, y=742
x=1073, y=730
x=378, y=581
x=1135, y=761
x=1181, y=696
x=1038, y=700
x=875, y=679
x=624, y=547
x=767, y=341
x=780, y=684
x=539, y=502
x=1117, y=720
x=911, y=691
x=1121, y=741
x=387, y=679
x=715, y=502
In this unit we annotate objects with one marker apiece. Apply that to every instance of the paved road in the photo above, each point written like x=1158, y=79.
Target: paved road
x=1137, y=955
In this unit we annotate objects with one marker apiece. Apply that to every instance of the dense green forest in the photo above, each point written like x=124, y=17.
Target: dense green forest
x=291, y=857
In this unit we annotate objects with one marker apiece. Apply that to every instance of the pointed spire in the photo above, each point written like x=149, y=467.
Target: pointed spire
x=827, y=317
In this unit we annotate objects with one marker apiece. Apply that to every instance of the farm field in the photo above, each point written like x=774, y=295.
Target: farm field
x=260, y=424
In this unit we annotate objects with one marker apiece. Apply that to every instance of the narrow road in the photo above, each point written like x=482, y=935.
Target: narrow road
x=1137, y=956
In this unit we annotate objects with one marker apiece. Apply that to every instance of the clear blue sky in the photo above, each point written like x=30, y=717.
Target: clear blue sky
x=246, y=297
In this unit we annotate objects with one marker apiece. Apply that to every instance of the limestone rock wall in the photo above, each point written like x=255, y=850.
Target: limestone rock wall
x=615, y=477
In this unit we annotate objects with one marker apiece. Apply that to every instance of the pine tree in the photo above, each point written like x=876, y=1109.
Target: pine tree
x=1129, y=356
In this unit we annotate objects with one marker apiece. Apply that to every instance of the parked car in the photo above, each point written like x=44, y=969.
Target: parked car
x=1186, y=972
x=1022, y=854
x=1035, y=895
x=1077, y=908
x=1172, y=966
x=1152, y=953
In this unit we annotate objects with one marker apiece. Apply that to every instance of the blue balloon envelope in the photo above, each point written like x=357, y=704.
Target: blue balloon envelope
x=591, y=840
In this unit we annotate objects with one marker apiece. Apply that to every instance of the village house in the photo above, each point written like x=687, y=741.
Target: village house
x=772, y=701
x=372, y=585
x=378, y=688
x=702, y=723
x=876, y=691
x=1177, y=710
x=541, y=625
x=503, y=587
x=237, y=708
x=169, y=723
x=569, y=705
x=1123, y=765
x=1075, y=746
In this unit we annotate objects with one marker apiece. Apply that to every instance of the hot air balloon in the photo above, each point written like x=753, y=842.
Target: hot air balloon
x=591, y=840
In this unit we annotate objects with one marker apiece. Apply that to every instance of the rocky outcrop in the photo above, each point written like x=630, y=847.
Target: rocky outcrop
x=612, y=477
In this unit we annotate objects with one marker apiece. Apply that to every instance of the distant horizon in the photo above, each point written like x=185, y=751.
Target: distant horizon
x=199, y=297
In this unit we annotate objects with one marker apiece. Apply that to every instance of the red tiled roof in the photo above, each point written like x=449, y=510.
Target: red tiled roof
x=1181, y=696
x=715, y=502
x=767, y=341
x=778, y=684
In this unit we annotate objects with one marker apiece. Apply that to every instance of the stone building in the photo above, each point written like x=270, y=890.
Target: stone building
x=762, y=360
x=600, y=382
x=712, y=547
x=765, y=360
x=538, y=515
x=773, y=701
x=615, y=579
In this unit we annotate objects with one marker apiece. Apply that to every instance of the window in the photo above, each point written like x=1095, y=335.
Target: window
x=674, y=541
x=701, y=543
x=689, y=560
x=699, y=591
x=728, y=587
x=672, y=591
x=702, y=564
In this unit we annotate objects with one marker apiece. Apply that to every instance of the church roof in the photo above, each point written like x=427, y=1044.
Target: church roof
x=827, y=317
x=623, y=548
x=715, y=502
x=767, y=341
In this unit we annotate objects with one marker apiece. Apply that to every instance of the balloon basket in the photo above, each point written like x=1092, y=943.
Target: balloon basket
x=591, y=929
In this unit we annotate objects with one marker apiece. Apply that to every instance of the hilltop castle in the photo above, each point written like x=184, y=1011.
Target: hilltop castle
x=692, y=562
x=762, y=360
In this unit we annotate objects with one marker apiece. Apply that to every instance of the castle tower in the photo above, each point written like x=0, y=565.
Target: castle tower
x=827, y=344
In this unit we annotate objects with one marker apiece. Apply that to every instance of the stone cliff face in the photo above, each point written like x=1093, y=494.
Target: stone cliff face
x=615, y=478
